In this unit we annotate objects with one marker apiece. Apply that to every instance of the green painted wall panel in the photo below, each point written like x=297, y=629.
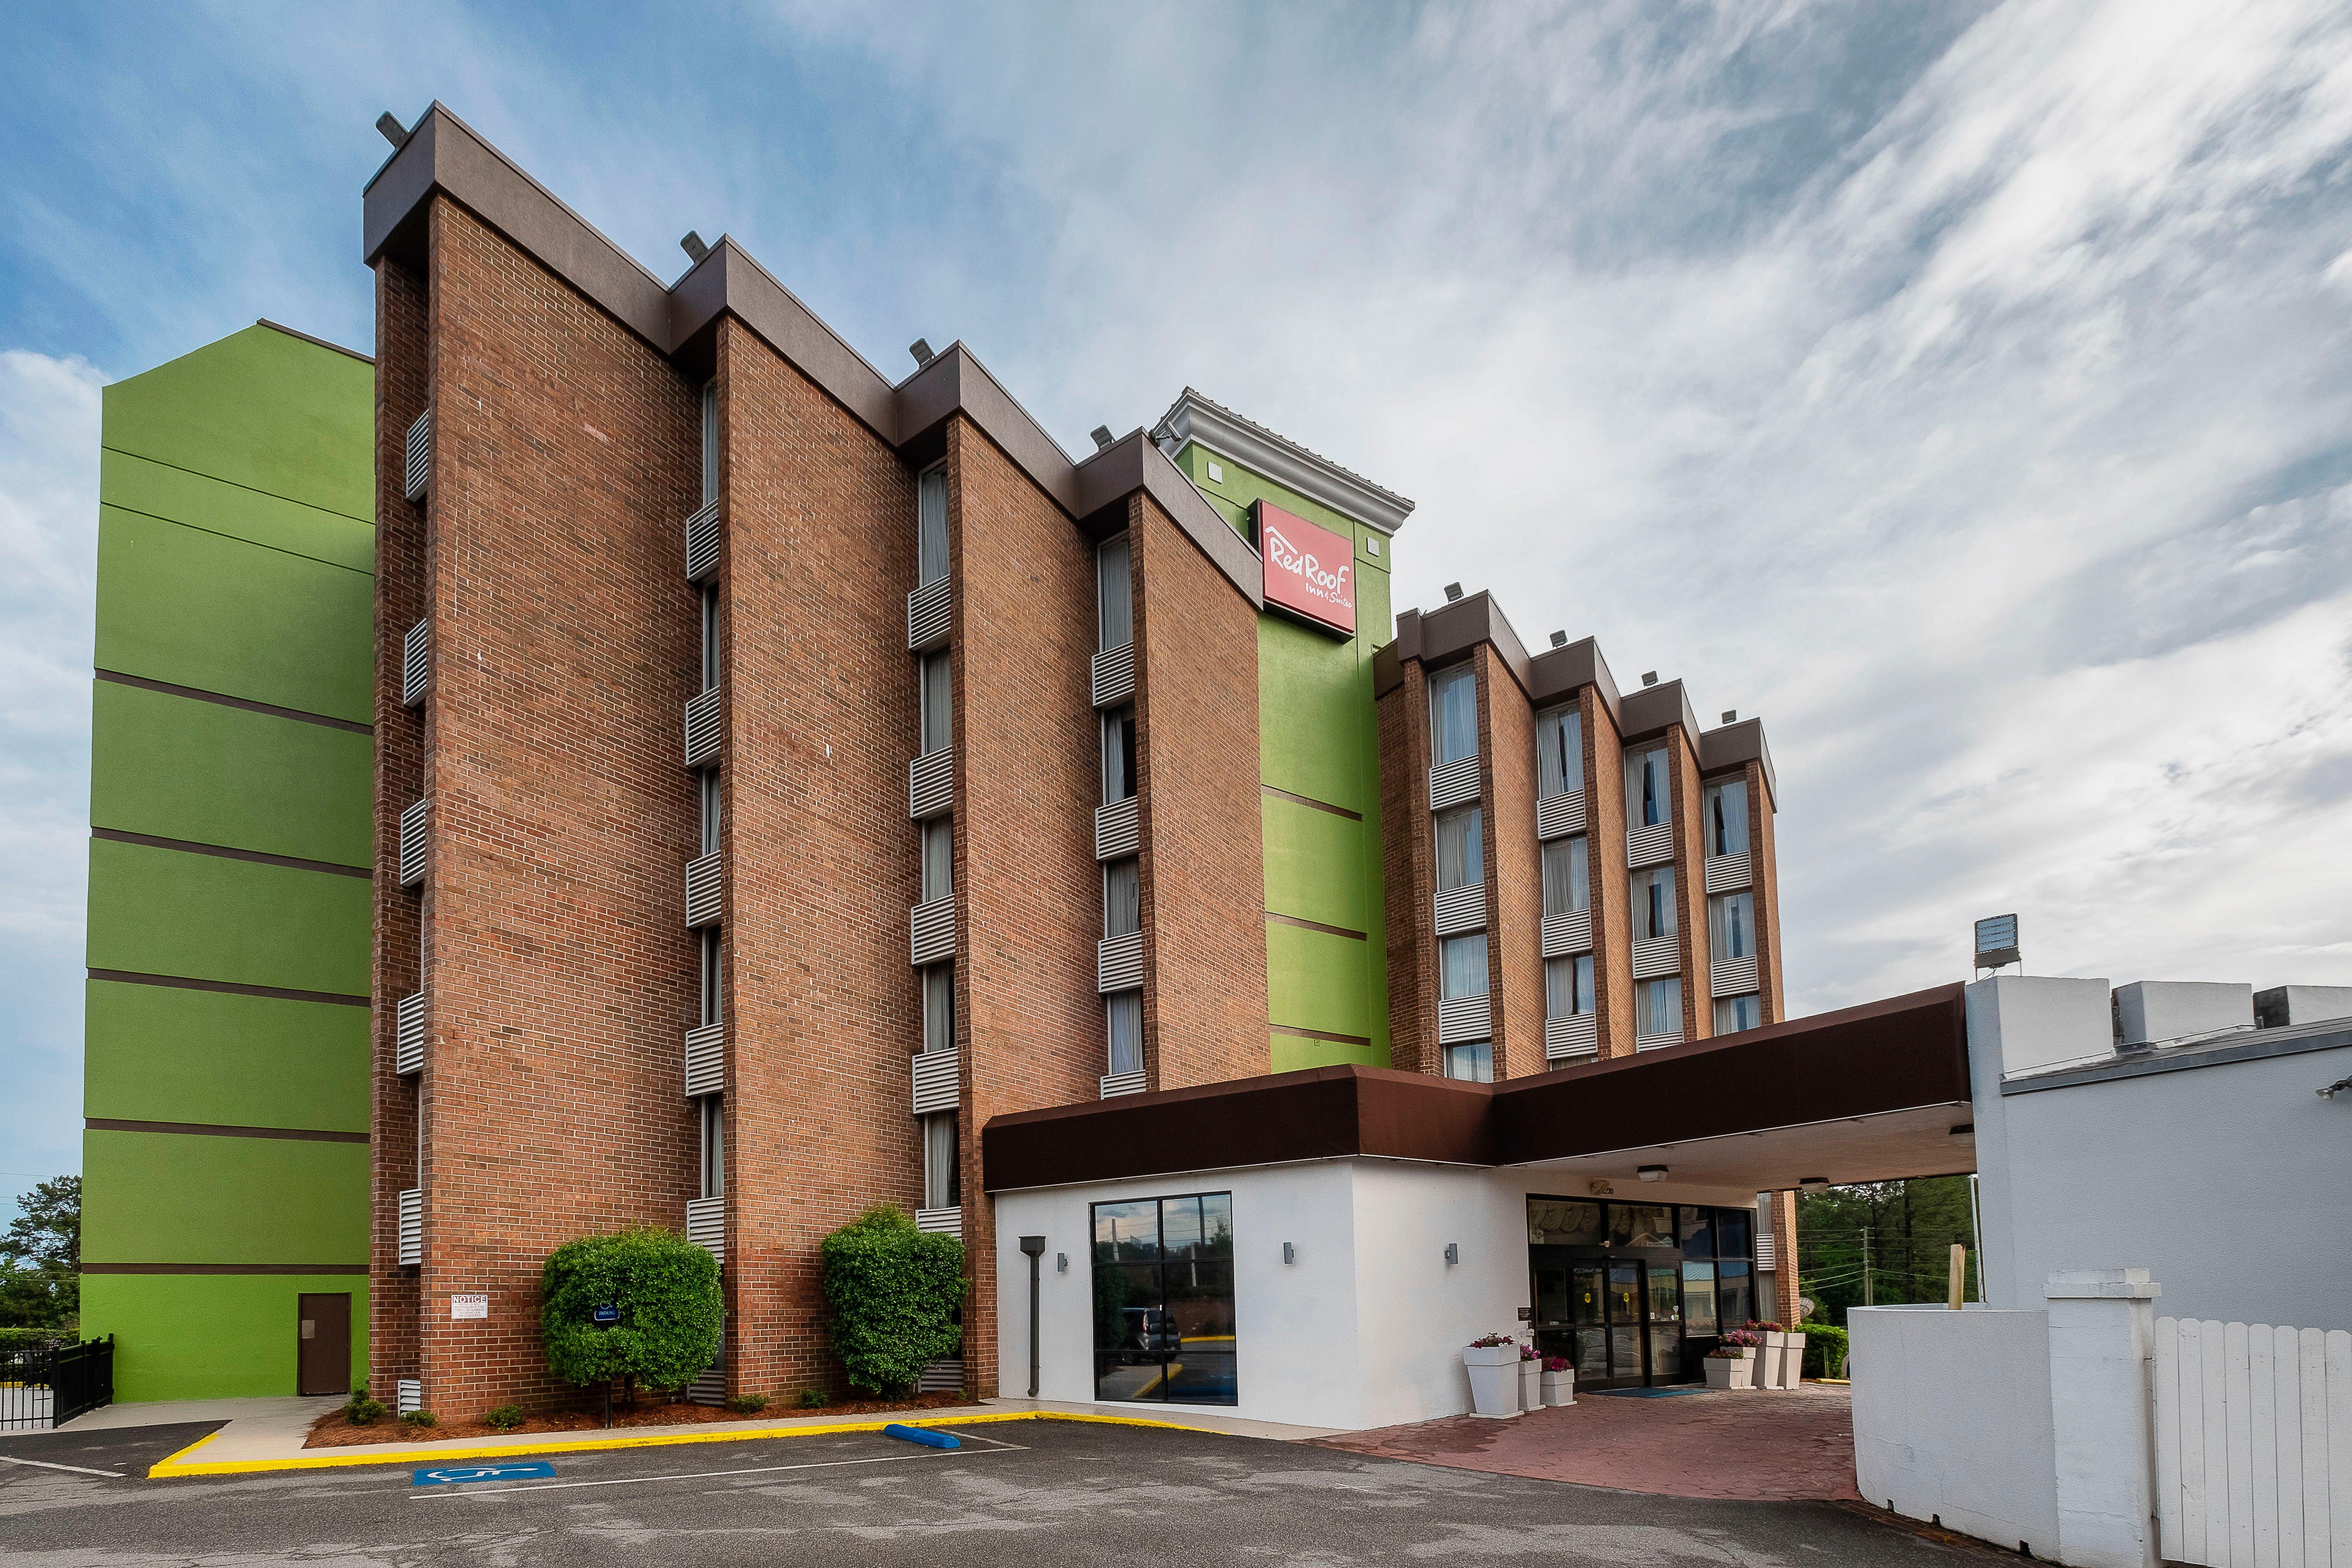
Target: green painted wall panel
x=1295, y=1053
x=197, y=609
x=1317, y=980
x=212, y=1336
x=1314, y=865
x=261, y=409
x=180, y=1197
x=179, y=768
x=199, y=501
x=206, y=917
x=159, y=1053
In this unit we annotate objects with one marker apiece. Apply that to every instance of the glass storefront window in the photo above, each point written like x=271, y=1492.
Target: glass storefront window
x=1698, y=1299
x=1641, y=1224
x=1565, y=1222
x=1699, y=1233
x=1163, y=1288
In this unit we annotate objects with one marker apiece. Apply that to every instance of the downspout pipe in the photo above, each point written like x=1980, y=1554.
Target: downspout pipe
x=1035, y=1246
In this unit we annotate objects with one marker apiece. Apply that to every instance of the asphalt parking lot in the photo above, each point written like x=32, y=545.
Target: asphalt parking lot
x=1034, y=1492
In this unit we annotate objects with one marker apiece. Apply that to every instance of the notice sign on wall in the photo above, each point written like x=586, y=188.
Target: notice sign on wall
x=469, y=1306
x=1309, y=571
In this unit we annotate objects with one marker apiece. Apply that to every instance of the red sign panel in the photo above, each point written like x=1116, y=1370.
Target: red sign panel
x=1309, y=571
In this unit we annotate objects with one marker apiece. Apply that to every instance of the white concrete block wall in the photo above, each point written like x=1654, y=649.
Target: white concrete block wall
x=2154, y=1011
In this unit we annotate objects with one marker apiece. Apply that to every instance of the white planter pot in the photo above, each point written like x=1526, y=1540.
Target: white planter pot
x=1494, y=1378
x=1726, y=1371
x=1767, y=1364
x=1530, y=1385
x=1560, y=1387
x=1792, y=1362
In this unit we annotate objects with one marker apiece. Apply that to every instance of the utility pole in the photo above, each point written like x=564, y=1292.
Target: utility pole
x=1869, y=1296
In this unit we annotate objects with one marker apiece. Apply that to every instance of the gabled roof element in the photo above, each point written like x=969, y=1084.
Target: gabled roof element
x=1192, y=417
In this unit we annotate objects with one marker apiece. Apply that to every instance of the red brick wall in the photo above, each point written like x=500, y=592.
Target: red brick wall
x=1408, y=871
x=823, y=1009
x=1612, y=916
x=402, y=373
x=1690, y=882
x=1764, y=867
x=1204, y=1006
x=566, y=451
x=1506, y=746
x=1028, y=778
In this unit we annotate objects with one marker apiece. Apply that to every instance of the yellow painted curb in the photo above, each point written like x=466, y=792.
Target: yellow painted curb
x=179, y=1464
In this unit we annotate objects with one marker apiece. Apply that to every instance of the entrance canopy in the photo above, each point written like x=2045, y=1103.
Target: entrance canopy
x=1866, y=1093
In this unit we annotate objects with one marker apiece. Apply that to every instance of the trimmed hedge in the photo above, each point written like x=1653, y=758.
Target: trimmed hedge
x=671, y=1310
x=894, y=1292
x=1825, y=1347
x=22, y=1339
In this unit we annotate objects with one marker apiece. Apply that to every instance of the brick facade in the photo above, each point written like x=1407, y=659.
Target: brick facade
x=1604, y=804
x=1506, y=760
x=1409, y=874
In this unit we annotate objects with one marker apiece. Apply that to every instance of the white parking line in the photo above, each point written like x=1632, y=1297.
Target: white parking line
x=45, y=1465
x=1000, y=1447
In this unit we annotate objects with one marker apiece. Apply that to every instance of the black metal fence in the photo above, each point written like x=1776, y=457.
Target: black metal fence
x=43, y=1387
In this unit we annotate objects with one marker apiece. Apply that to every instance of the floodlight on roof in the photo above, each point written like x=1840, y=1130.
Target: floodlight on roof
x=391, y=129
x=1101, y=433
x=693, y=246
x=1649, y=677
x=1731, y=715
x=1560, y=639
x=922, y=349
x=1453, y=592
x=1997, y=942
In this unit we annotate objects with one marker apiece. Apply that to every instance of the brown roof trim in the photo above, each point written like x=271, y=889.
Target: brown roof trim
x=446, y=154
x=1647, y=709
x=1321, y=1113
x=1900, y=1054
x=1558, y=672
x=1440, y=635
x=1735, y=745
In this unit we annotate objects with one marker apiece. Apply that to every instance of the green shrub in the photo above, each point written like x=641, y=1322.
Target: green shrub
x=894, y=1292
x=363, y=1411
x=506, y=1417
x=667, y=1290
x=33, y=1339
x=419, y=1418
x=813, y=1399
x=1825, y=1349
x=748, y=1404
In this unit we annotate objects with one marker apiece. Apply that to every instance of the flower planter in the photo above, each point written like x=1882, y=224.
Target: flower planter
x=1792, y=1362
x=1768, y=1365
x=1727, y=1372
x=1530, y=1385
x=1560, y=1387
x=1494, y=1378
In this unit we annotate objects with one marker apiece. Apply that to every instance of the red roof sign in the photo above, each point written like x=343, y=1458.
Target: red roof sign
x=1309, y=571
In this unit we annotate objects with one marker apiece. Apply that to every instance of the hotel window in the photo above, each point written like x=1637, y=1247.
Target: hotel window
x=1658, y=1006
x=1115, y=594
x=1649, y=795
x=1653, y=904
x=1123, y=1016
x=1727, y=817
x=1567, y=986
x=1461, y=850
x=936, y=699
x=1471, y=1064
x=942, y=1175
x=708, y=974
x=1122, y=898
x=1462, y=966
x=1560, y=751
x=1163, y=1300
x=938, y=859
x=709, y=638
x=1731, y=926
x=1733, y=1014
x=1452, y=716
x=709, y=442
x=714, y=1147
x=1118, y=755
x=931, y=526
x=710, y=810
x=938, y=1007
x=1566, y=887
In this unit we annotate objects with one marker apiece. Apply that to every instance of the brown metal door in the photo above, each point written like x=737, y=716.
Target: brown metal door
x=325, y=1360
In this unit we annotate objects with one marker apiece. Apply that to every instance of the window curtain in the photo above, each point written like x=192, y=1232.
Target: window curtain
x=1731, y=927
x=714, y=1146
x=1727, y=824
x=939, y=860
x=1566, y=887
x=1653, y=904
x=938, y=1007
x=1461, y=850
x=1122, y=899
x=931, y=526
x=709, y=442
x=1462, y=962
x=942, y=1181
x=1662, y=1006
x=1119, y=756
x=1452, y=716
x=1648, y=797
x=1567, y=986
x=1560, y=751
x=1125, y=1011
x=1733, y=1014
x=939, y=731
x=1115, y=593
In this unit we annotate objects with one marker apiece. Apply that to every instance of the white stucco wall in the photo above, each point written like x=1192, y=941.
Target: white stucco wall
x=1951, y=1420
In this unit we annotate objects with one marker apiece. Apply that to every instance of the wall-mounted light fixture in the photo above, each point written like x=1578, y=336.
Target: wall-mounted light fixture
x=1652, y=1173
x=1453, y=1252
x=1061, y=1263
x=1289, y=1253
x=1813, y=1184
x=1965, y=1131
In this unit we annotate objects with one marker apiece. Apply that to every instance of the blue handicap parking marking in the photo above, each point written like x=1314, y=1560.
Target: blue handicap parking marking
x=454, y=1474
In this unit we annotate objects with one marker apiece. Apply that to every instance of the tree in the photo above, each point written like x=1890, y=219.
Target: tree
x=670, y=1309
x=1886, y=1242
x=40, y=1258
x=894, y=1292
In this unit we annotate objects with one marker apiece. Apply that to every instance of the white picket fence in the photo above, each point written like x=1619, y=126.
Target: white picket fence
x=2254, y=1445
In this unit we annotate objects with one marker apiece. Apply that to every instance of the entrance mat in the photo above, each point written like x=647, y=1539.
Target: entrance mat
x=1647, y=1393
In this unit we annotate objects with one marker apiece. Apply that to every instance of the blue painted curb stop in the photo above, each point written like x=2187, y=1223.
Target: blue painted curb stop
x=460, y=1475
x=918, y=1434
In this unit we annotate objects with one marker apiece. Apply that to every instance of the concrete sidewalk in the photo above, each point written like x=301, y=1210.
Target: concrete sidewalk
x=267, y=1434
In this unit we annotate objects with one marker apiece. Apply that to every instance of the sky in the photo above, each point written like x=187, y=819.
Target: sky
x=1963, y=388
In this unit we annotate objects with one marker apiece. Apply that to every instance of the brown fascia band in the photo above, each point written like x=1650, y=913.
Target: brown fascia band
x=1897, y=1055
x=444, y=154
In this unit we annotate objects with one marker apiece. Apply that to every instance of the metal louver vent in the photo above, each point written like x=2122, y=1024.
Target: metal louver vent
x=930, y=785
x=1558, y=816
x=706, y=890
x=420, y=454
x=1727, y=873
x=931, y=933
x=935, y=1081
x=702, y=729
x=1452, y=782
x=1119, y=829
x=1565, y=1039
x=1463, y=1019
x=706, y=1225
x=415, y=663
x=1657, y=1042
x=1461, y=908
x=1661, y=955
x=1114, y=671
x=1648, y=846
x=408, y=1036
x=705, y=1060
x=929, y=613
x=941, y=1222
x=414, y=825
x=411, y=1226
x=1568, y=933
x=1118, y=962
x=702, y=542
x=942, y=1376
x=1114, y=1084
x=1732, y=976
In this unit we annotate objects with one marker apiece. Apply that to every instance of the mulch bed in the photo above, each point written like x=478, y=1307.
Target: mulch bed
x=334, y=1431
